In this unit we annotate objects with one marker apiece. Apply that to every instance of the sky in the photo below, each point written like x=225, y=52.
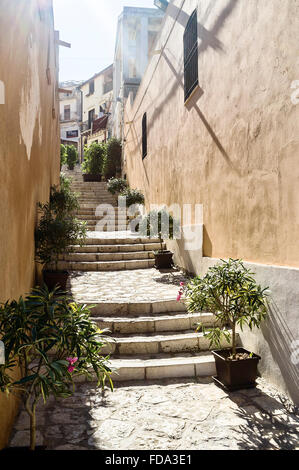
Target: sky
x=90, y=26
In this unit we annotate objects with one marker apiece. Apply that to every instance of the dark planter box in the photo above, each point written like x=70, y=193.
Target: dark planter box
x=52, y=278
x=92, y=178
x=163, y=260
x=235, y=375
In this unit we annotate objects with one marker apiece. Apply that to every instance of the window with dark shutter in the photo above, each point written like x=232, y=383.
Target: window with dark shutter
x=144, y=136
x=191, y=56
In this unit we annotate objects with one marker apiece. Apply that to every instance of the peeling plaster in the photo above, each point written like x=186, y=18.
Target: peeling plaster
x=30, y=111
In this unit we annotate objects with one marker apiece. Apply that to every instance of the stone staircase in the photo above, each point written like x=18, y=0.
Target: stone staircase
x=148, y=339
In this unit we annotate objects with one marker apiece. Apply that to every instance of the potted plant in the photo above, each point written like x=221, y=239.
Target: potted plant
x=230, y=292
x=112, y=165
x=94, y=158
x=57, y=232
x=117, y=185
x=52, y=340
x=161, y=225
x=62, y=155
x=71, y=156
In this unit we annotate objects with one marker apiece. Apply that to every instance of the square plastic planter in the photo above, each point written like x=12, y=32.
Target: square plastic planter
x=238, y=374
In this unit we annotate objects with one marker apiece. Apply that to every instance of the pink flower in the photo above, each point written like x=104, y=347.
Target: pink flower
x=72, y=361
x=179, y=297
x=182, y=284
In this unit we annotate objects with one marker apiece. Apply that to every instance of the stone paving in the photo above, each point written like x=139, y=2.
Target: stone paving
x=166, y=415
x=140, y=285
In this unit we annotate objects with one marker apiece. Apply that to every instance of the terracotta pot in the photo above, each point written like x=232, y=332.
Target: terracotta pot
x=238, y=374
x=54, y=278
x=163, y=260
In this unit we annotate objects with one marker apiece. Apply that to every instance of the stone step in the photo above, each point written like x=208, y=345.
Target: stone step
x=106, y=265
x=164, y=342
x=98, y=212
x=94, y=205
x=163, y=366
x=116, y=248
x=109, y=222
x=109, y=228
x=94, y=257
x=176, y=321
x=134, y=309
x=91, y=218
x=119, y=241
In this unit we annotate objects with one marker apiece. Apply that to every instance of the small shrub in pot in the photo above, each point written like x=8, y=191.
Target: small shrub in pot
x=117, y=185
x=94, y=159
x=112, y=164
x=230, y=292
x=71, y=156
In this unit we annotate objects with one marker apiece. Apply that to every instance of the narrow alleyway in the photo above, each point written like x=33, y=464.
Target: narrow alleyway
x=164, y=396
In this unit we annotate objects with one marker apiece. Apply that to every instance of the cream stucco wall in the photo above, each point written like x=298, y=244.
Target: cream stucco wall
x=233, y=148
x=29, y=146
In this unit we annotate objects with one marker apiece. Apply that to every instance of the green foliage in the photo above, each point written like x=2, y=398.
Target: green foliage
x=58, y=228
x=53, y=340
x=117, y=185
x=160, y=224
x=112, y=165
x=133, y=196
x=230, y=292
x=71, y=156
x=94, y=159
x=62, y=155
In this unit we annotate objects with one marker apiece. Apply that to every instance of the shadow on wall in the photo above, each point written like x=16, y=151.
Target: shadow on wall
x=280, y=339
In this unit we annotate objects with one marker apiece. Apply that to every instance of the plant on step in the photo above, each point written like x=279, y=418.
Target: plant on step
x=160, y=224
x=133, y=196
x=71, y=156
x=94, y=158
x=117, y=185
x=112, y=165
x=230, y=292
x=62, y=155
x=52, y=340
x=58, y=230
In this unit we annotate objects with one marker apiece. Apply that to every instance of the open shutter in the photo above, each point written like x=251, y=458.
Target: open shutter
x=190, y=56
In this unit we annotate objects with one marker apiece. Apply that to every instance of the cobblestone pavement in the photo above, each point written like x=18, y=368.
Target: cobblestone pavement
x=170, y=415
x=140, y=285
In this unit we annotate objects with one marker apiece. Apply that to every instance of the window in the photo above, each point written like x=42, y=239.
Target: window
x=91, y=114
x=67, y=112
x=70, y=134
x=191, y=56
x=144, y=136
x=91, y=87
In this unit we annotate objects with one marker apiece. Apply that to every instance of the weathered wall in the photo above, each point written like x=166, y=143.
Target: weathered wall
x=233, y=148
x=29, y=146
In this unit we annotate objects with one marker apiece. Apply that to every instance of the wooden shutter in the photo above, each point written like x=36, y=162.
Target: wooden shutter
x=190, y=55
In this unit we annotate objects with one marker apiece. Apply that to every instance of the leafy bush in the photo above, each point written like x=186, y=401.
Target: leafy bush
x=117, y=185
x=112, y=164
x=230, y=292
x=58, y=229
x=71, y=156
x=133, y=196
x=53, y=341
x=94, y=159
x=160, y=224
x=62, y=155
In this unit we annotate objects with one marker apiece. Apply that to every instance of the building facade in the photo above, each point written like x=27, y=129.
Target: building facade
x=215, y=125
x=70, y=113
x=136, y=36
x=29, y=147
x=97, y=95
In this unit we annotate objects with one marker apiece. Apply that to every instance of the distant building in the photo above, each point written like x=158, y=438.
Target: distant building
x=136, y=36
x=97, y=95
x=70, y=113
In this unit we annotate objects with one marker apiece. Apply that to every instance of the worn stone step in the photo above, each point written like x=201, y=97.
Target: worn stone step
x=121, y=256
x=134, y=309
x=105, y=228
x=163, y=366
x=176, y=321
x=109, y=222
x=116, y=218
x=119, y=241
x=164, y=342
x=105, y=265
x=116, y=248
